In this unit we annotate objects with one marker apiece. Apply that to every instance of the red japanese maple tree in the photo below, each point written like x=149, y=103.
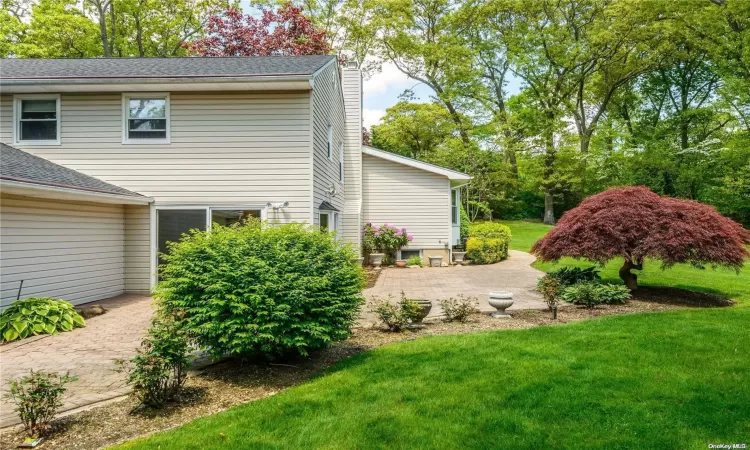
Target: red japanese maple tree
x=635, y=223
x=286, y=32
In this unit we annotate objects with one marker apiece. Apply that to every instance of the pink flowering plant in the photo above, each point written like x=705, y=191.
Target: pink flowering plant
x=385, y=239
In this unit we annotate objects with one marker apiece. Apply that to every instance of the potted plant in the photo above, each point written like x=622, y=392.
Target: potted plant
x=369, y=246
x=401, y=263
x=458, y=254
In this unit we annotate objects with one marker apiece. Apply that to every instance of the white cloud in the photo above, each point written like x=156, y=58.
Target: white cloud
x=388, y=79
x=371, y=117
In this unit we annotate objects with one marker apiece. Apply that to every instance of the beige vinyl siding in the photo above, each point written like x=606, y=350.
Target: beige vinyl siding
x=407, y=197
x=232, y=148
x=137, y=259
x=328, y=108
x=62, y=249
x=352, y=87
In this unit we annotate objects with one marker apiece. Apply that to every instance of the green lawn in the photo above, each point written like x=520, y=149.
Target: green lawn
x=670, y=380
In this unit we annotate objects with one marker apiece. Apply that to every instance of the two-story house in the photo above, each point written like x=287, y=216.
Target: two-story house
x=106, y=160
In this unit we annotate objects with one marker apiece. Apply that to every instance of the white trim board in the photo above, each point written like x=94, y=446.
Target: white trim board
x=451, y=174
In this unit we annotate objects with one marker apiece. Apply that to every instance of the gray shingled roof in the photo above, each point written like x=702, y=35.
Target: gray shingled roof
x=195, y=67
x=325, y=206
x=17, y=165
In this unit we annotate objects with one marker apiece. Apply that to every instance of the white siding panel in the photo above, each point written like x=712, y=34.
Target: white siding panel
x=352, y=87
x=137, y=257
x=406, y=197
x=328, y=108
x=69, y=250
x=238, y=148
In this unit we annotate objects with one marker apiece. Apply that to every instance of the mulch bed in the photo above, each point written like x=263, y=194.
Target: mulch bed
x=372, y=277
x=219, y=386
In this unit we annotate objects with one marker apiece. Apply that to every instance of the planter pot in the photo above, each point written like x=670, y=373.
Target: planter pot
x=426, y=308
x=376, y=259
x=400, y=263
x=436, y=261
x=458, y=257
x=360, y=261
x=500, y=301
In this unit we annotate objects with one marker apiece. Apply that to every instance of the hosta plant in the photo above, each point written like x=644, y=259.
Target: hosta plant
x=38, y=315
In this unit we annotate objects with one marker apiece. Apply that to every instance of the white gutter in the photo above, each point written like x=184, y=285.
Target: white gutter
x=62, y=193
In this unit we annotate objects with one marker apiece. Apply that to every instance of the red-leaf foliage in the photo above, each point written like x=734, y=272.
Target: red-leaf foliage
x=634, y=223
x=286, y=32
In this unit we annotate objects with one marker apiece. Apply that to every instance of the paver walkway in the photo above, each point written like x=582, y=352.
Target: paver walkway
x=515, y=274
x=88, y=353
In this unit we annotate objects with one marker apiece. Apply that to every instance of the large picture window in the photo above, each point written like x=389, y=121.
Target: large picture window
x=37, y=119
x=146, y=118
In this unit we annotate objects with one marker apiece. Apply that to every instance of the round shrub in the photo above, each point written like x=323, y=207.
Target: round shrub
x=488, y=242
x=250, y=290
x=38, y=315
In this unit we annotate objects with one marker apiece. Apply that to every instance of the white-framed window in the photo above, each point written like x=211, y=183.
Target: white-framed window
x=454, y=207
x=406, y=254
x=341, y=162
x=36, y=119
x=329, y=221
x=145, y=118
x=329, y=144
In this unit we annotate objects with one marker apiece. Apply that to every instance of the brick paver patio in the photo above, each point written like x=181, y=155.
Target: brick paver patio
x=88, y=353
x=515, y=274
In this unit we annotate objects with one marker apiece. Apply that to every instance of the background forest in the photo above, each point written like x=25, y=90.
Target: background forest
x=612, y=92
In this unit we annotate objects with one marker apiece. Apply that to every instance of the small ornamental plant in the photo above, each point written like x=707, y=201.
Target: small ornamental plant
x=415, y=261
x=385, y=239
x=396, y=315
x=38, y=315
x=37, y=397
x=458, y=309
x=550, y=286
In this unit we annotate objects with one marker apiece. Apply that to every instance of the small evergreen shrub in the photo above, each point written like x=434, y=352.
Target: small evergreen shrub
x=37, y=397
x=397, y=315
x=158, y=371
x=488, y=242
x=38, y=315
x=458, y=309
x=591, y=294
x=415, y=261
x=249, y=290
x=464, y=226
x=569, y=276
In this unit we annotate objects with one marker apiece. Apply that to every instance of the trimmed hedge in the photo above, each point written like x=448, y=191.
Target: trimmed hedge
x=250, y=290
x=488, y=243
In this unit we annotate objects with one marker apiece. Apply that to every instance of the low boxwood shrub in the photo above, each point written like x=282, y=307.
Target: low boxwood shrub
x=458, y=309
x=571, y=275
x=591, y=294
x=38, y=315
x=488, y=242
x=396, y=315
x=250, y=290
x=37, y=397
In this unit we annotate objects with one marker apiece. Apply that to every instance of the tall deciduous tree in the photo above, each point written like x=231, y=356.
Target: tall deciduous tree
x=415, y=130
x=283, y=32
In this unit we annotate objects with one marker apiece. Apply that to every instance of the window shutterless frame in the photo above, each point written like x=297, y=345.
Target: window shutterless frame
x=329, y=144
x=126, y=117
x=341, y=162
x=18, y=119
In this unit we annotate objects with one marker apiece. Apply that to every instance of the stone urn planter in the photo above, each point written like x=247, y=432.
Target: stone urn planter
x=436, y=261
x=400, y=263
x=376, y=259
x=458, y=257
x=360, y=261
x=426, y=308
x=501, y=301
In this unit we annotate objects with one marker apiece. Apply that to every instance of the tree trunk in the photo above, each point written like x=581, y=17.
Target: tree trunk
x=630, y=279
x=549, y=211
x=103, y=31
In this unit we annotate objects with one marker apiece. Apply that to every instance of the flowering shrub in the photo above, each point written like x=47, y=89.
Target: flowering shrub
x=386, y=239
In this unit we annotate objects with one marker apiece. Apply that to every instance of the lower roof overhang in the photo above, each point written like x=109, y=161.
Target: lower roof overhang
x=64, y=193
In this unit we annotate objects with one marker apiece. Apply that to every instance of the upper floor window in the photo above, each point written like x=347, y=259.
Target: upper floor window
x=329, y=144
x=37, y=119
x=341, y=162
x=455, y=213
x=146, y=118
